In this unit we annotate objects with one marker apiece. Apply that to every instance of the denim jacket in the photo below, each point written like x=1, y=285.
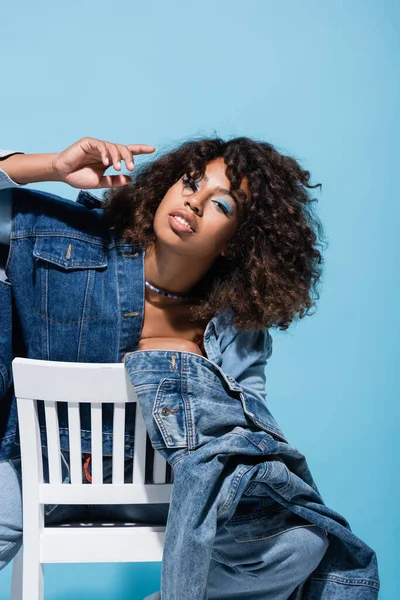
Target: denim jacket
x=71, y=291
x=219, y=442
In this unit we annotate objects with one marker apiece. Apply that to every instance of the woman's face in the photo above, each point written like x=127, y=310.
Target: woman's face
x=214, y=212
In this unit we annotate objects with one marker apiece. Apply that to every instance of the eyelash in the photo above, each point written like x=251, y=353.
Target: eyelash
x=188, y=183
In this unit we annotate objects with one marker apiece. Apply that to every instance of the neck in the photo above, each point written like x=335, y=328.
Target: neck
x=174, y=273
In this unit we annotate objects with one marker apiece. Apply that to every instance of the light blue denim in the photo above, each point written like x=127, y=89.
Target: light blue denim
x=220, y=446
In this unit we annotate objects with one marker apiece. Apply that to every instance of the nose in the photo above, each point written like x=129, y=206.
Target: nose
x=195, y=204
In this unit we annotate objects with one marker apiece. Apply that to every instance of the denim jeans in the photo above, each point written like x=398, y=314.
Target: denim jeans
x=269, y=568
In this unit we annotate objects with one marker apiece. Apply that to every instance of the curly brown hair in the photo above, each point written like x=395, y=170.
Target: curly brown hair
x=271, y=273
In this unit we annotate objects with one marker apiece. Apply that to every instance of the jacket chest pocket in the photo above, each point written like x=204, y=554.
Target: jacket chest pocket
x=169, y=412
x=68, y=278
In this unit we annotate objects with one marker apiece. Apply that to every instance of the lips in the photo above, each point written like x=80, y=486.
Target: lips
x=185, y=215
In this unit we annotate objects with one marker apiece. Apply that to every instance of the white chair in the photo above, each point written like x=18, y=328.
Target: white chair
x=53, y=382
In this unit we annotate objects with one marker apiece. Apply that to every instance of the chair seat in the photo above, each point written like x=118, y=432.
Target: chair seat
x=95, y=524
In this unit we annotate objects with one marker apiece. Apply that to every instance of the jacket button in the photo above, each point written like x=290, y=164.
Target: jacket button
x=165, y=411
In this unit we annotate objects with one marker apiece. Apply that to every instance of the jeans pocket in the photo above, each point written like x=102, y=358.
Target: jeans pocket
x=265, y=523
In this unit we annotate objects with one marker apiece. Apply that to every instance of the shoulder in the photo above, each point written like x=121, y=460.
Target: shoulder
x=242, y=341
x=258, y=344
x=240, y=346
x=36, y=211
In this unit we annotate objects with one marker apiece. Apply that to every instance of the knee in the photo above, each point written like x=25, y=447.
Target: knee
x=10, y=540
x=10, y=513
x=292, y=555
x=309, y=545
x=10, y=536
x=9, y=549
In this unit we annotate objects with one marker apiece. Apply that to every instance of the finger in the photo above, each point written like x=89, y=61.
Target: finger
x=115, y=155
x=101, y=149
x=112, y=181
x=126, y=156
x=140, y=148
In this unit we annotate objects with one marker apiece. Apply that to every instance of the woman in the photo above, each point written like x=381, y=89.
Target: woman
x=225, y=227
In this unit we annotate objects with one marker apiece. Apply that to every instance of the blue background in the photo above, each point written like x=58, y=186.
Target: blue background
x=319, y=81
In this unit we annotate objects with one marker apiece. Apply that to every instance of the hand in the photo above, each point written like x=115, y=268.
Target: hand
x=167, y=343
x=82, y=165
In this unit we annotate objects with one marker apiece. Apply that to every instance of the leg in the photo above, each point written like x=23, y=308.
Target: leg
x=265, y=569
x=10, y=512
x=250, y=562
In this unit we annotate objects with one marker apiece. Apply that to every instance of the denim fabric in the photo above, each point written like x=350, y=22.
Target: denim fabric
x=6, y=199
x=73, y=292
x=206, y=427
x=238, y=569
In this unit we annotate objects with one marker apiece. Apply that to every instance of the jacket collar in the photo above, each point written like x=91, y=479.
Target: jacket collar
x=89, y=200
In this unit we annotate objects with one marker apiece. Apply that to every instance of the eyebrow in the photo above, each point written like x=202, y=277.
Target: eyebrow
x=222, y=190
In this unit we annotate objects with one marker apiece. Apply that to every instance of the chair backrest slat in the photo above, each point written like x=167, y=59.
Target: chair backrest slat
x=75, y=451
x=53, y=441
x=159, y=468
x=97, y=442
x=139, y=460
x=32, y=469
x=118, y=443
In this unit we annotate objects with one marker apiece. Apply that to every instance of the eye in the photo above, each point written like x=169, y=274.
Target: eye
x=187, y=182
x=222, y=206
x=193, y=185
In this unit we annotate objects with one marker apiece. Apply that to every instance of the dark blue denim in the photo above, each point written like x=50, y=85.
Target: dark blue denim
x=220, y=444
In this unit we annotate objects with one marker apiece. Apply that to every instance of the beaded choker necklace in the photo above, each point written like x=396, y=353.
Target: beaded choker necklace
x=163, y=293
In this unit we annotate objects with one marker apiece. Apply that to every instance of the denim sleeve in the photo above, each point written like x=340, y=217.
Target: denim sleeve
x=5, y=180
x=6, y=183
x=245, y=359
x=253, y=378
x=5, y=215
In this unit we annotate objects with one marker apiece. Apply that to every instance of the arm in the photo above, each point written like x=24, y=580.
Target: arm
x=245, y=359
x=16, y=170
x=81, y=165
x=19, y=168
x=6, y=183
x=6, y=352
x=5, y=180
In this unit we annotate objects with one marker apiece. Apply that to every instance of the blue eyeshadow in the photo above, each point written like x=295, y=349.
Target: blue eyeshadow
x=226, y=205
